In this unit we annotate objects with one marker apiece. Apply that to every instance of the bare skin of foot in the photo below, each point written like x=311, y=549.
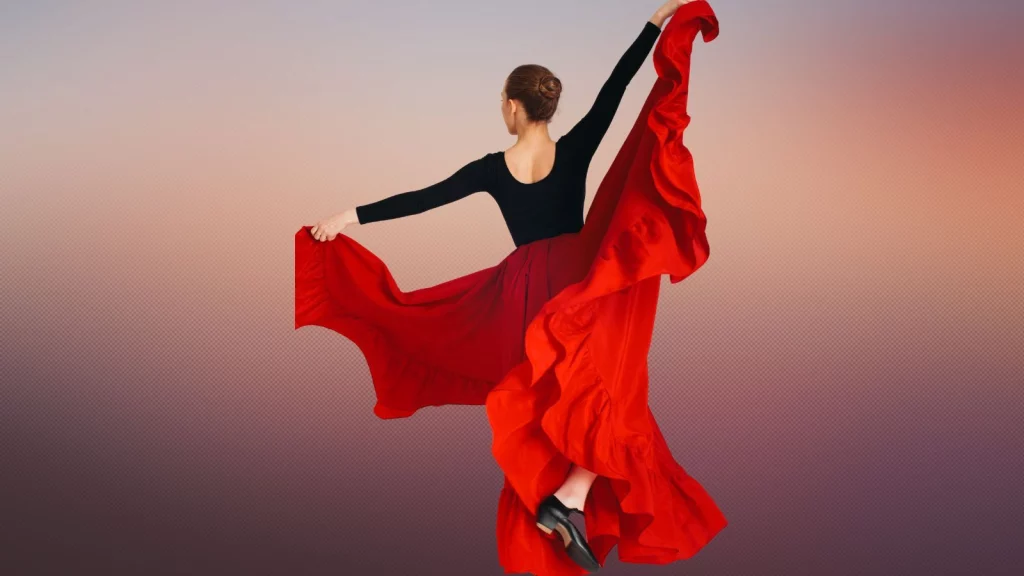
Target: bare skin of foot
x=573, y=492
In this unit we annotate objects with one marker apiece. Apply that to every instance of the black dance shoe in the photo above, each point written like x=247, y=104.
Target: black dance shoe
x=553, y=515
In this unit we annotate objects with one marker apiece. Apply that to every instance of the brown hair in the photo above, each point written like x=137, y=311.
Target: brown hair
x=537, y=88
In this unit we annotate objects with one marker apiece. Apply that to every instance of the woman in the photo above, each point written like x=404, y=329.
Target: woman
x=553, y=339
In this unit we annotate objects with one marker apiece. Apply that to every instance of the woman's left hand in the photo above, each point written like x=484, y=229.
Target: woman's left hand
x=328, y=228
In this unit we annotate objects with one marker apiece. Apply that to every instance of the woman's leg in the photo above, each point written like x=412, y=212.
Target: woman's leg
x=573, y=492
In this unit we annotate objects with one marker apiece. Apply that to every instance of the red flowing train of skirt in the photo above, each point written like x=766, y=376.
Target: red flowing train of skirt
x=553, y=340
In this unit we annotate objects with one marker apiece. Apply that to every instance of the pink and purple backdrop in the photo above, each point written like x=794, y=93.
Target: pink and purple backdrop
x=845, y=374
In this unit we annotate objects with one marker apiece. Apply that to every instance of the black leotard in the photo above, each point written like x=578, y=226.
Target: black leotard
x=547, y=207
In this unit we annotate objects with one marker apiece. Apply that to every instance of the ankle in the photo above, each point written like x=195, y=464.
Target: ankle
x=571, y=499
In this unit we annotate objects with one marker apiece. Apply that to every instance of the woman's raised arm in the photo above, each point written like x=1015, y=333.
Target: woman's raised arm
x=586, y=135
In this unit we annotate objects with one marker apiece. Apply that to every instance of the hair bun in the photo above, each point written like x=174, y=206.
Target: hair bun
x=550, y=87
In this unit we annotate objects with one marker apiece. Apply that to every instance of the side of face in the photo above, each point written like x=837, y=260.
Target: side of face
x=508, y=112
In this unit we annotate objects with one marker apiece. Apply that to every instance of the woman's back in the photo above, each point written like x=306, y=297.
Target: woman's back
x=529, y=166
x=551, y=205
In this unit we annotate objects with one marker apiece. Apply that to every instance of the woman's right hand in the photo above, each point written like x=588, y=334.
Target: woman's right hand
x=328, y=228
x=667, y=10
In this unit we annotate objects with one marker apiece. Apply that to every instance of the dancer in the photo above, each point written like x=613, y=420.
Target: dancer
x=554, y=338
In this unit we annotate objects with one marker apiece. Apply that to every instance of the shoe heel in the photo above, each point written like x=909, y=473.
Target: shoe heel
x=546, y=521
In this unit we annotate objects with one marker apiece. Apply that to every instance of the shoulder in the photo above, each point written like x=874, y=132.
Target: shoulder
x=483, y=168
x=484, y=160
x=480, y=165
x=491, y=161
x=567, y=144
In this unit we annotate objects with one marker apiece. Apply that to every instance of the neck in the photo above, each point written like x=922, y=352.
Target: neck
x=533, y=133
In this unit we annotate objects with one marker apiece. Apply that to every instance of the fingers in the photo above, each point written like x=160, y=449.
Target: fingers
x=322, y=233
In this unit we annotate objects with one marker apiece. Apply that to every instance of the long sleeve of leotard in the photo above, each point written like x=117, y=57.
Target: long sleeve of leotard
x=472, y=177
x=588, y=132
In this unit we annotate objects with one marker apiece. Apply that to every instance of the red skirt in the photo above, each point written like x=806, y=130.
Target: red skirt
x=553, y=340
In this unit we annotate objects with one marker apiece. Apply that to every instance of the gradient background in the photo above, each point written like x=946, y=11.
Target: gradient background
x=845, y=374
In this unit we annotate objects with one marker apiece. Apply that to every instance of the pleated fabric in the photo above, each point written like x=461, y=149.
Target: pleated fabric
x=553, y=341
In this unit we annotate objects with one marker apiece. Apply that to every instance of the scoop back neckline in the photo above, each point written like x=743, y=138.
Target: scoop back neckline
x=508, y=171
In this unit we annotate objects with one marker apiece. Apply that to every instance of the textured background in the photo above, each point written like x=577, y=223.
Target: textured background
x=844, y=375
